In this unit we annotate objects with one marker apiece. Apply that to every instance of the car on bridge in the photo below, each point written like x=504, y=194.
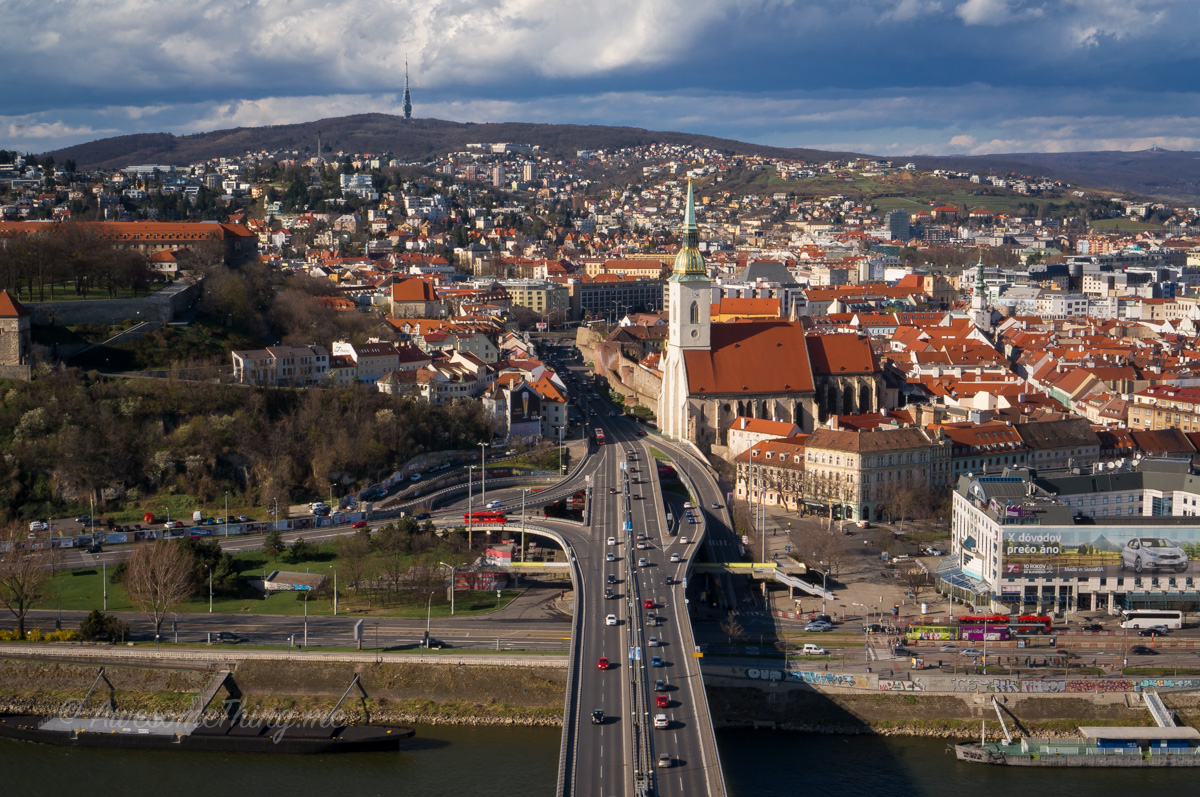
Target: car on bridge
x=662, y=701
x=652, y=642
x=683, y=540
x=660, y=685
x=664, y=760
x=648, y=603
x=602, y=664
x=612, y=578
x=608, y=593
x=610, y=620
x=643, y=562
x=661, y=721
x=597, y=717
x=1154, y=630
x=656, y=661
x=1142, y=650
x=642, y=545
x=676, y=558
x=610, y=557
x=612, y=541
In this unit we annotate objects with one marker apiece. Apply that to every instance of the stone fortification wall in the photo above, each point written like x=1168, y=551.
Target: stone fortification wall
x=162, y=306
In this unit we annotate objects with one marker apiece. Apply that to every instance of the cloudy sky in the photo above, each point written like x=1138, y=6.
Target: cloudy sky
x=888, y=77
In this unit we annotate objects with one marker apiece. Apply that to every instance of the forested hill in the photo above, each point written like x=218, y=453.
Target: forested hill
x=1155, y=172
x=413, y=140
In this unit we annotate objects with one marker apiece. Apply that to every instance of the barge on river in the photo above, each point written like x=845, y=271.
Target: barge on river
x=227, y=735
x=1094, y=747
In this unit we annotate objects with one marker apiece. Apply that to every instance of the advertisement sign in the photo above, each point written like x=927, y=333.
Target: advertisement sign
x=1100, y=551
x=525, y=405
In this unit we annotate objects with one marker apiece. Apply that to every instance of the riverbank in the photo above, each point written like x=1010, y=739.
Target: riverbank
x=526, y=694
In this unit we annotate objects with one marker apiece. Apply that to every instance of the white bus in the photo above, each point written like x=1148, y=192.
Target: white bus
x=1145, y=618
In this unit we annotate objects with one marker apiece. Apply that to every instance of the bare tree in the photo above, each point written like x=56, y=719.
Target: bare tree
x=732, y=627
x=917, y=580
x=353, y=551
x=158, y=578
x=23, y=573
x=829, y=547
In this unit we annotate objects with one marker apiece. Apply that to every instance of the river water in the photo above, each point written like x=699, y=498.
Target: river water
x=524, y=761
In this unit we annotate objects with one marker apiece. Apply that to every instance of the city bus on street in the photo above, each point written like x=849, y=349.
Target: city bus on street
x=598, y=434
x=484, y=518
x=1147, y=618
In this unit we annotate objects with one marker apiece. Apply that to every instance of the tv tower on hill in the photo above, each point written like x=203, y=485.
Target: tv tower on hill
x=407, y=96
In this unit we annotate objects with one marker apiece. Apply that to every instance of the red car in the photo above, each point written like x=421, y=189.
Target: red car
x=358, y=524
x=662, y=701
x=602, y=664
x=647, y=604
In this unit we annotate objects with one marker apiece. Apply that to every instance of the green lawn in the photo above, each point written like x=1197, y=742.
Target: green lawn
x=65, y=292
x=83, y=590
x=1122, y=225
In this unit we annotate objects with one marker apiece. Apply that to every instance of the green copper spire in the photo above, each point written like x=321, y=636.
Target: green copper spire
x=689, y=263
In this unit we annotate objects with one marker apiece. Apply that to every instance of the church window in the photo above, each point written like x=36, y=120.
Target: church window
x=694, y=315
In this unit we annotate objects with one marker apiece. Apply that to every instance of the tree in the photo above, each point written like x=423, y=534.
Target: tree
x=273, y=543
x=101, y=627
x=917, y=581
x=829, y=547
x=732, y=627
x=352, y=553
x=159, y=577
x=24, y=570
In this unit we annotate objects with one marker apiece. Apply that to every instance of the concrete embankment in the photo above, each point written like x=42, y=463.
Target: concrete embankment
x=516, y=690
x=804, y=707
x=396, y=692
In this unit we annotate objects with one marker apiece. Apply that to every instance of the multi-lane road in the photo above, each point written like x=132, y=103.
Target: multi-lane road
x=628, y=548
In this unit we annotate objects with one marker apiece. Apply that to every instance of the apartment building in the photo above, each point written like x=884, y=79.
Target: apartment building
x=281, y=366
x=1165, y=407
x=1022, y=542
x=857, y=475
x=772, y=471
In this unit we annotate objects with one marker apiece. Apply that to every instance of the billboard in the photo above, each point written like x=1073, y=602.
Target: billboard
x=1101, y=551
x=525, y=405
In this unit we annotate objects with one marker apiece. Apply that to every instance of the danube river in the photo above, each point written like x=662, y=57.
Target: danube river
x=524, y=761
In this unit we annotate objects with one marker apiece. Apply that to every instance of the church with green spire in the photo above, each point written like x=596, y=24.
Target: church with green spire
x=716, y=373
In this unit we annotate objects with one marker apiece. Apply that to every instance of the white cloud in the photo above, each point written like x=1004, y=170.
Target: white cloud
x=908, y=10
x=995, y=12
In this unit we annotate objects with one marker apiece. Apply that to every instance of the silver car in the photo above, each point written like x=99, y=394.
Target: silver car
x=1158, y=553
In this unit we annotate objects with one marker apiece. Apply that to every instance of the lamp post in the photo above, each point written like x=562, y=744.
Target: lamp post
x=452, y=572
x=306, y=617
x=470, y=518
x=226, y=513
x=483, y=474
x=210, y=593
x=524, y=492
x=428, y=617
x=104, y=579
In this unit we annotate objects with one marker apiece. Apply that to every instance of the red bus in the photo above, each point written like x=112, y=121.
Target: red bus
x=599, y=435
x=484, y=518
x=1030, y=624
x=978, y=628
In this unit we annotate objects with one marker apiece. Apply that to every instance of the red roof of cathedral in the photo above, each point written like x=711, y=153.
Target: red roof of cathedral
x=751, y=357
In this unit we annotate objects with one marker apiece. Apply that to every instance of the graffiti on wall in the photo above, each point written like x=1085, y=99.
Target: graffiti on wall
x=850, y=680
x=892, y=685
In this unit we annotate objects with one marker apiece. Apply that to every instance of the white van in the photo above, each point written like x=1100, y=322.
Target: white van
x=813, y=650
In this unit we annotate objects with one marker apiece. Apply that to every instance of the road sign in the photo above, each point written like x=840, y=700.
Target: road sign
x=358, y=631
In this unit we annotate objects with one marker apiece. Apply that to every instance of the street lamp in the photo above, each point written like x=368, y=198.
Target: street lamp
x=210, y=593
x=470, y=517
x=226, y=513
x=306, y=617
x=103, y=578
x=483, y=474
x=428, y=616
x=452, y=570
x=524, y=492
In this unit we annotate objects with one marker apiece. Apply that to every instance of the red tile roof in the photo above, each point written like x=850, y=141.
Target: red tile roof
x=841, y=354
x=750, y=358
x=10, y=307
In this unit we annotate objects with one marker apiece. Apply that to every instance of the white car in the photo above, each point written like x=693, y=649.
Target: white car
x=641, y=545
x=39, y=525
x=676, y=558
x=610, y=557
x=652, y=642
x=683, y=540
x=1157, y=553
x=495, y=504
x=643, y=562
x=818, y=626
x=661, y=721
x=612, y=540
x=610, y=620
